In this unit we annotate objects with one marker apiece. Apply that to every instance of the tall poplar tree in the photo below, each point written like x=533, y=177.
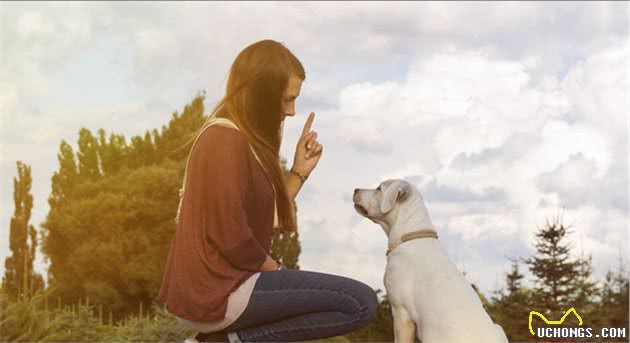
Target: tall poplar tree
x=19, y=277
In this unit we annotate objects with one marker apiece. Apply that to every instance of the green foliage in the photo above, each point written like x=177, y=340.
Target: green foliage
x=112, y=212
x=19, y=276
x=160, y=326
x=510, y=308
x=558, y=276
x=29, y=320
x=113, y=232
x=612, y=309
x=285, y=246
x=560, y=282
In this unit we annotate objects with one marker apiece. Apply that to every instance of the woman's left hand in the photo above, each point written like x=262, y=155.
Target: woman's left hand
x=308, y=151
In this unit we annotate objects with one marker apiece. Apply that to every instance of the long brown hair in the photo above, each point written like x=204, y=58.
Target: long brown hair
x=257, y=79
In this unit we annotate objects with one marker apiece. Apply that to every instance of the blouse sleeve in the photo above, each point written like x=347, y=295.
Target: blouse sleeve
x=226, y=187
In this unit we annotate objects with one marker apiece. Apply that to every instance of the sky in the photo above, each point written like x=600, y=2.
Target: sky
x=504, y=115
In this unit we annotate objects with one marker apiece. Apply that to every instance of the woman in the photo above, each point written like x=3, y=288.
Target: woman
x=219, y=278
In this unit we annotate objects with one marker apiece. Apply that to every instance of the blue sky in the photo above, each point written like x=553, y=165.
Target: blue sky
x=502, y=114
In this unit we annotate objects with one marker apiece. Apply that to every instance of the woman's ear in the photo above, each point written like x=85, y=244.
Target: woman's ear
x=397, y=190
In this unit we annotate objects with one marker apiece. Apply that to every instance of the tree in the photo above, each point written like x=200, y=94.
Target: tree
x=19, y=277
x=89, y=168
x=613, y=306
x=111, y=154
x=64, y=179
x=586, y=289
x=111, y=220
x=562, y=282
x=554, y=271
x=510, y=307
x=149, y=150
x=285, y=246
x=176, y=139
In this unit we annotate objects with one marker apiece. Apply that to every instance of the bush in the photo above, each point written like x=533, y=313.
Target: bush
x=27, y=320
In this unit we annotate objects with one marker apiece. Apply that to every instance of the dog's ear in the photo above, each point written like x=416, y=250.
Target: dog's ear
x=398, y=190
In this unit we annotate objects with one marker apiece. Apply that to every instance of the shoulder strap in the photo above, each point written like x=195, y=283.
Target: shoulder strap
x=228, y=123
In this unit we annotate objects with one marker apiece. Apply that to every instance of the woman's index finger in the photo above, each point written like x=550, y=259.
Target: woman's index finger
x=309, y=122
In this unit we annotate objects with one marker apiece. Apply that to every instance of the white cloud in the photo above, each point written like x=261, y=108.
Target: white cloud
x=476, y=226
x=496, y=134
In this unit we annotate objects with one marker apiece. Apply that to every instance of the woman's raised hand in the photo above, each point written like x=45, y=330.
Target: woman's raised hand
x=308, y=151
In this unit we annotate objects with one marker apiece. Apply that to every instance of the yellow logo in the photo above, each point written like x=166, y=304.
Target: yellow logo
x=553, y=322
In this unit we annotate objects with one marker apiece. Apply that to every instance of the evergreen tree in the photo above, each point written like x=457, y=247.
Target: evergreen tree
x=510, y=306
x=586, y=290
x=554, y=271
x=614, y=298
x=562, y=282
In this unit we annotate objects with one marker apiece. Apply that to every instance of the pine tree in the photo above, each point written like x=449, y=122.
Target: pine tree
x=510, y=307
x=613, y=306
x=554, y=271
x=583, y=299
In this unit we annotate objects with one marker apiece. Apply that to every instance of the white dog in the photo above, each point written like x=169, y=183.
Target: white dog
x=429, y=296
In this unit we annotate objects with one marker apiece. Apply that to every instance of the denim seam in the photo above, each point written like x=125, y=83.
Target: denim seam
x=340, y=292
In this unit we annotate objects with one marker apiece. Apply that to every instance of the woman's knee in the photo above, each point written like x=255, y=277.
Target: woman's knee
x=366, y=297
x=362, y=294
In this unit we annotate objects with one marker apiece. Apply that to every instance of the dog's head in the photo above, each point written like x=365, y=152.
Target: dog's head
x=380, y=204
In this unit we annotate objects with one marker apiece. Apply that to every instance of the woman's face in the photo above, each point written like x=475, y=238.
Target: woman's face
x=289, y=95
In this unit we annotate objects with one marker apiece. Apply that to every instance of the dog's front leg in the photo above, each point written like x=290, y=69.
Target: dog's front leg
x=404, y=327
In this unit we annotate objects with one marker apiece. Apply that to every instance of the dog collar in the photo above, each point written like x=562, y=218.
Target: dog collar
x=424, y=233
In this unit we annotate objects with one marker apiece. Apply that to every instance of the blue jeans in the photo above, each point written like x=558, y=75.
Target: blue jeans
x=298, y=305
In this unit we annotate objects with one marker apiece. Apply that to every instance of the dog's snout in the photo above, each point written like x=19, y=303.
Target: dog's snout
x=356, y=190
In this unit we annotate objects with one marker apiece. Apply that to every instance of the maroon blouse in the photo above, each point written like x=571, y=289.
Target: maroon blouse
x=225, y=226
